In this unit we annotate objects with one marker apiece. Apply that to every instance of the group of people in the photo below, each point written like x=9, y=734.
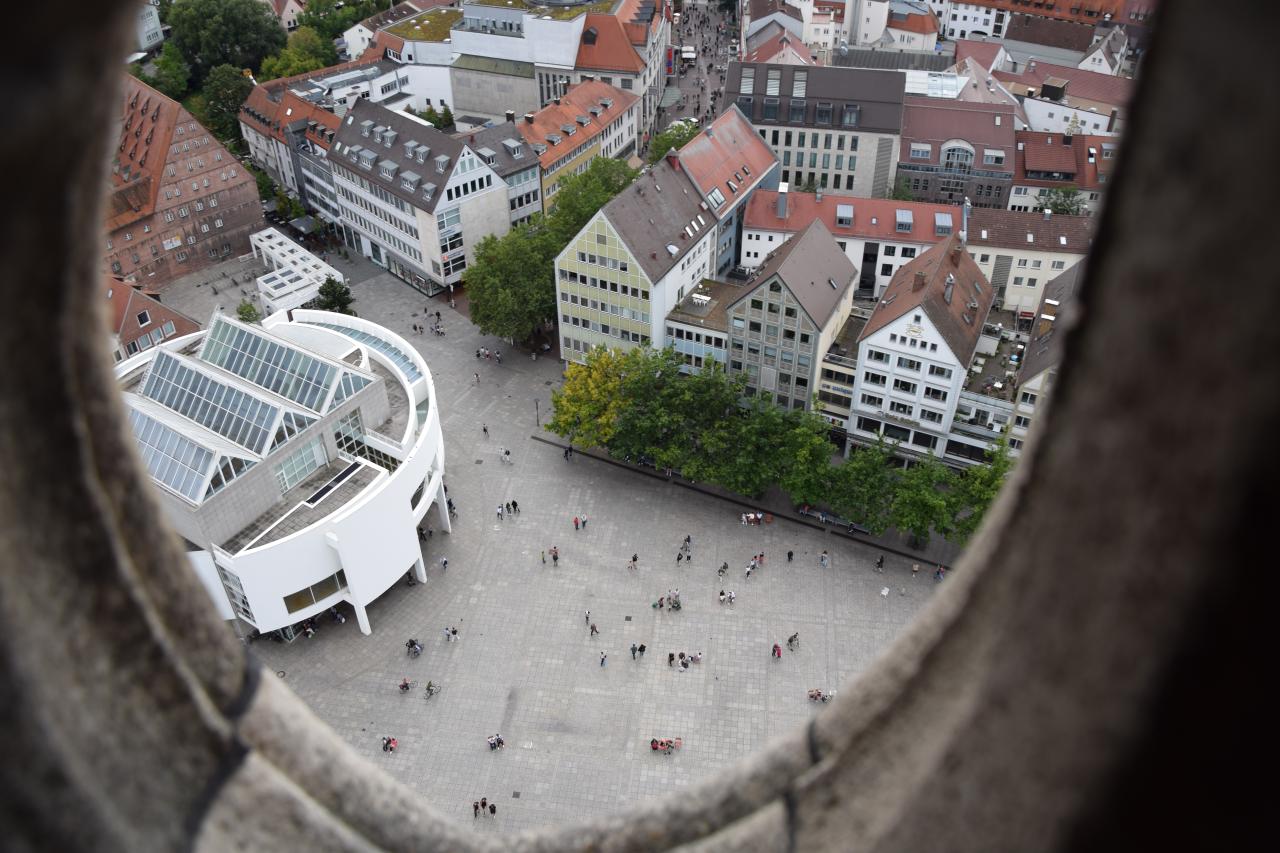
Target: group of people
x=752, y=518
x=508, y=508
x=483, y=806
x=665, y=744
x=684, y=659
x=389, y=744
x=496, y=742
x=489, y=354
x=728, y=597
x=671, y=600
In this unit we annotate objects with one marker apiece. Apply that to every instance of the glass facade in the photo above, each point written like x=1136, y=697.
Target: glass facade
x=230, y=412
x=398, y=357
x=294, y=375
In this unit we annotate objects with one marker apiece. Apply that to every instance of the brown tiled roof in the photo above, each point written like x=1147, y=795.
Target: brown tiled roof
x=576, y=102
x=873, y=218
x=125, y=301
x=606, y=46
x=1010, y=229
x=922, y=23
x=813, y=267
x=727, y=150
x=777, y=46
x=146, y=130
x=1036, y=29
x=1076, y=10
x=958, y=318
x=764, y=8
x=936, y=120
x=1085, y=85
x=1079, y=155
x=1040, y=154
x=983, y=51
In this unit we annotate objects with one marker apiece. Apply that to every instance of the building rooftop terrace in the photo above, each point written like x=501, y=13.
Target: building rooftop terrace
x=431, y=25
x=557, y=13
x=304, y=504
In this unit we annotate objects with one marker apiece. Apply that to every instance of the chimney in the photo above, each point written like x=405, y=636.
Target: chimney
x=817, y=196
x=557, y=100
x=473, y=139
x=964, y=221
x=673, y=159
x=956, y=251
x=528, y=117
x=511, y=115
x=918, y=282
x=782, y=200
x=1047, y=214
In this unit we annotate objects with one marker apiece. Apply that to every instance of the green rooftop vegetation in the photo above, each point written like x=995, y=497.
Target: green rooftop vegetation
x=432, y=25
x=558, y=13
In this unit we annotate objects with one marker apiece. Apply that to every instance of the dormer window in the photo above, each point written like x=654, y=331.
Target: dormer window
x=568, y=129
x=442, y=163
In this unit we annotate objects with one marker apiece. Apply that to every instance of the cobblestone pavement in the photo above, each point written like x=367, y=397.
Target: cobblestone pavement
x=525, y=665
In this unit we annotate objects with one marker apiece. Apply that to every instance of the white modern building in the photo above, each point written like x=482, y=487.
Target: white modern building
x=296, y=459
x=1039, y=369
x=294, y=275
x=149, y=31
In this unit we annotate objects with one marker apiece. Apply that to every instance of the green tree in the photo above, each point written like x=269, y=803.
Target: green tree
x=225, y=89
x=587, y=406
x=919, y=502
x=510, y=282
x=805, y=454
x=334, y=296
x=861, y=488
x=740, y=452
x=446, y=118
x=266, y=187
x=581, y=195
x=306, y=51
x=1063, y=200
x=431, y=116
x=210, y=33
x=809, y=186
x=172, y=72
x=247, y=312
x=975, y=488
x=902, y=190
x=653, y=422
x=674, y=137
x=332, y=18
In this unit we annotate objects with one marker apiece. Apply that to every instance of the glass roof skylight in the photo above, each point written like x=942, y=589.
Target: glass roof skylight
x=280, y=369
x=173, y=459
x=397, y=356
x=230, y=412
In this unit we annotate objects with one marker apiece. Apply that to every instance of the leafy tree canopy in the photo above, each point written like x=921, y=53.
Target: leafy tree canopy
x=306, y=51
x=172, y=72
x=225, y=89
x=1064, y=200
x=334, y=296
x=919, y=502
x=861, y=488
x=974, y=490
x=332, y=18
x=248, y=312
x=446, y=118
x=587, y=406
x=510, y=283
x=209, y=33
x=675, y=137
x=902, y=190
x=580, y=196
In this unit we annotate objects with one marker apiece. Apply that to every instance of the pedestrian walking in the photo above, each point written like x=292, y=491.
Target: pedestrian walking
x=790, y=554
x=633, y=651
x=732, y=597
x=824, y=560
x=444, y=564
x=477, y=376
x=722, y=596
x=446, y=635
x=515, y=507
x=915, y=570
x=750, y=566
x=586, y=620
x=880, y=564
x=544, y=558
x=493, y=810
x=937, y=576
x=777, y=651
x=453, y=634
x=671, y=658
x=575, y=522
x=584, y=522
x=484, y=803
x=475, y=809
x=555, y=556
x=642, y=647
x=485, y=429
x=594, y=629
x=566, y=453
x=603, y=657
x=635, y=559
x=679, y=557
x=499, y=512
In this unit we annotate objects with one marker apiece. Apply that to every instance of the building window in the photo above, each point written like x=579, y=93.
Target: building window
x=908, y=363
x=931, y=415
x=1027, y=398
x=873, y=378
x=143, y=318
x=900, y=408
x=935, y=394
x=904, y=386
x=940, y=372
x=770, y=109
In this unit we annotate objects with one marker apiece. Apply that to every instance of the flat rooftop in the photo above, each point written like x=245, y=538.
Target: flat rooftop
x=431, y=25
x=304, y=505
x=707, y=305
x=558, y=13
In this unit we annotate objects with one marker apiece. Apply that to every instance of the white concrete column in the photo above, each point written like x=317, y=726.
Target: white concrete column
x=442, y=508
x=362, y=617
x=420, y=570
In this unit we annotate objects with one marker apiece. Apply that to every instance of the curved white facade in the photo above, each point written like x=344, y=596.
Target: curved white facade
x=330, y=512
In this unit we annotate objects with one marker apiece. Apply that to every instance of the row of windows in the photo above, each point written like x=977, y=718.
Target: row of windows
x=601, y=260
x=525, y=199
x=818, y=179
x=770, y=331
x=611, y=286
x=784, y=355
x=373, y=189
x=377, y=210
x=679, y=334
x=467, y=188
x=605, y=329
x=606, y=307
x=373, y=230
x=786, y=138
x=912, y=342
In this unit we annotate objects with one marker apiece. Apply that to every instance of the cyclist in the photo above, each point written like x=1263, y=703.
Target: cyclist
x=405, y=685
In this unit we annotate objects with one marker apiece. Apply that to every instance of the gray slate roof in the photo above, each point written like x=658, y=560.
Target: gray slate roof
x=892, y=60
x=1045, y=349
x=493, y=138
x=807, y=264
x=878, y=94
x=349, y=136
x=652, y=213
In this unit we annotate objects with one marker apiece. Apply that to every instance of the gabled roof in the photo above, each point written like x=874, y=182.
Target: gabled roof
x=1112, y=47
x=911, y=16
x=147, y=122
x=814, y=268
x=727, y=156
x=1083, y=85
x=1057, y=307
x=763, y=8
x=1036, y=29
x=775, y=44
x=935, y=121
x=350, y=141
x=869, y=218
x=511, y=153
x=125, y=301
x=999, y=228
x=605, y=45
x=1080, y=156
x=576, y=103
x=950, y=290
x=652, y=214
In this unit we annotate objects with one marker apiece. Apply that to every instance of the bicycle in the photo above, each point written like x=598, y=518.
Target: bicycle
x=406, y=686
x=432, y=689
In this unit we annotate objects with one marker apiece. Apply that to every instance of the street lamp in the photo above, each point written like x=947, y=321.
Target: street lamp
x=537, y=414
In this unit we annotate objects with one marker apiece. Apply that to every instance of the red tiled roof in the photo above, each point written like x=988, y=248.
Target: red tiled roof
x=922, y=24
x=957, y=310
x=125, y=301
x=1076, y=10
x=778, y=46
x=727, y=150
x=936, y=120
x=873, y=218
x=983, y=51
x=1055, y=152
x=146, y=128
x=1085, y=85
x=576, y=101
x=612, y=48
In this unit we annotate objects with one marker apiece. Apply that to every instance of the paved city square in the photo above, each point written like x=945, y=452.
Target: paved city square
x=577, y=734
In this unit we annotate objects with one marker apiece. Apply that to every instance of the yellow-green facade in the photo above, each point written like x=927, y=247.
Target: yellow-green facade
x=603, y=293
x=561, y=169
